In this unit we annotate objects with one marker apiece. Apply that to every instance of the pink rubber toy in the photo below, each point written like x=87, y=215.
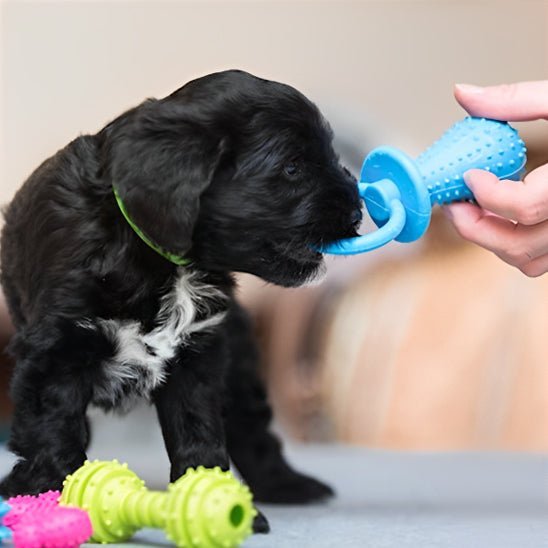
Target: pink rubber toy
x=39, y=521
x=29, y=504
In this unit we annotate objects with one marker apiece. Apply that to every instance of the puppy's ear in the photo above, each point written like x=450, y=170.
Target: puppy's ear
x=160, y=161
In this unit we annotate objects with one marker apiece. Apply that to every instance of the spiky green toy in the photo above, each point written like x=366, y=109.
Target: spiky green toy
x=203, y=508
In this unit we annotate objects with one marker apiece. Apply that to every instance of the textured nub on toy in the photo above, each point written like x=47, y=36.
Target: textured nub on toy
x=205, y=507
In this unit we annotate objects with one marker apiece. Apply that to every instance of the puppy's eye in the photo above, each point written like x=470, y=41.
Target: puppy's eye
x=292, y=169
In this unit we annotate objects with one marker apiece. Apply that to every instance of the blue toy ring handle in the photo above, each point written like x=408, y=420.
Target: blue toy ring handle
x=395, y=212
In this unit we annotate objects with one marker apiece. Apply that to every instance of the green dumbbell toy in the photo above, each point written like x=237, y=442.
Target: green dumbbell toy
x=205, y=507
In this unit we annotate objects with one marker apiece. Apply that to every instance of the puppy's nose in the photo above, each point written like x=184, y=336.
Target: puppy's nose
x=356, y=216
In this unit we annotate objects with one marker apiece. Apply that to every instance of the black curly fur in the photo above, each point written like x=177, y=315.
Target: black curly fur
x=234, y=172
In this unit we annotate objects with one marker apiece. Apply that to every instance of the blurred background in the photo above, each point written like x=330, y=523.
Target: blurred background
x=435, y=345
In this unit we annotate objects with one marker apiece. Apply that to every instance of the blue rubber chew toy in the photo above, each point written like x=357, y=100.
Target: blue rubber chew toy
x=399, y=192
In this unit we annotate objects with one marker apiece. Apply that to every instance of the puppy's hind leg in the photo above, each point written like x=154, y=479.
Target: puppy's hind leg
x=256, y=451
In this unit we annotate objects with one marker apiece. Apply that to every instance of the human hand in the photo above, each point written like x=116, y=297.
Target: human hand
x=512, y=217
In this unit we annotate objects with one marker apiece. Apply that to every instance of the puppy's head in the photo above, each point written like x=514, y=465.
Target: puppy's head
x=236, y=173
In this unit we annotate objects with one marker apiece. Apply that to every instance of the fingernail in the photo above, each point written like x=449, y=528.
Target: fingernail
x=469, y=88
x=468, y=177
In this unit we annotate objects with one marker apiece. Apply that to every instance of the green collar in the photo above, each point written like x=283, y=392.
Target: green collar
x=181, y=261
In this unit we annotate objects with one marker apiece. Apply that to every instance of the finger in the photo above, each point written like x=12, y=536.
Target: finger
x=523, y=201
x=516, y=244
x=473, y=225
x=536, y=268
x=510, y=102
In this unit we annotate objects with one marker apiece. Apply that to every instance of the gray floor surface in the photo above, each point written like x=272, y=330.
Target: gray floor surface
x=385, y=499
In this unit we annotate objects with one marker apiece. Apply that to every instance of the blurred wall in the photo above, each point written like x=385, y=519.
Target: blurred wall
x=444, y=349
x=69, y=67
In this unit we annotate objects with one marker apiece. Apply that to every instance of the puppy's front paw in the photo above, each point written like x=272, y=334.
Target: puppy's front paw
x=291, y=488
x=260, y=523
x=25, y=479
x=31, y=477
x=7, y=488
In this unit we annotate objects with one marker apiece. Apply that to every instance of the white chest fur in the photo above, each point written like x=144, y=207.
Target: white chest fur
x=139, y=363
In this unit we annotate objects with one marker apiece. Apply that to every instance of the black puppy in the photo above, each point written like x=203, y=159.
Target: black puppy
x=116, y=259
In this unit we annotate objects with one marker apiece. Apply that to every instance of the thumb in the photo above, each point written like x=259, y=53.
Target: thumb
x=508, y=102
